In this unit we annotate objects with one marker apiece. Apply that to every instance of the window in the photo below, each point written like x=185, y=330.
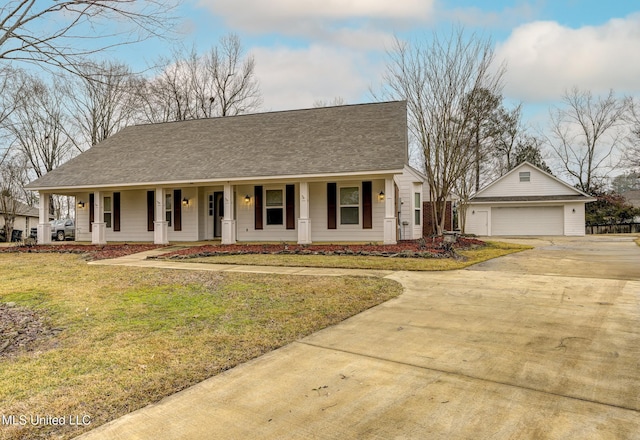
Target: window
x=417, y=207
x=167, y=208
x=525, y=176
x=107, y=211
x=350, y=205
x=275, y=206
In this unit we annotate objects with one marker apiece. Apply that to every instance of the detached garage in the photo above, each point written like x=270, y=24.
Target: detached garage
x=527, y=201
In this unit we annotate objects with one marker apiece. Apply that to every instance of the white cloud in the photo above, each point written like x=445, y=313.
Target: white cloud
x=358, y=39
x=363, y=24
x=544, y=59
x=480, y=17
x=264, y=13
x=295, y=78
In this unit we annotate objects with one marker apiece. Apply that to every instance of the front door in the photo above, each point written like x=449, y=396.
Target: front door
x=218, y=213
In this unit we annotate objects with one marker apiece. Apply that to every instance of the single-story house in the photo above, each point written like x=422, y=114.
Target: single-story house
x=527, y=201
x=314, y=175
x=26, y=216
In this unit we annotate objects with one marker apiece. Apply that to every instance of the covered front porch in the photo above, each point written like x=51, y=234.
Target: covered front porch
x=347, y=208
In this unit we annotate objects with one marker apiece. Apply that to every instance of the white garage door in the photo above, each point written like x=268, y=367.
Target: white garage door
x=539, y=220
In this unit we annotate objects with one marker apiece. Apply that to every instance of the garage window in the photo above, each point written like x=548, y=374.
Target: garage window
x=525, y=176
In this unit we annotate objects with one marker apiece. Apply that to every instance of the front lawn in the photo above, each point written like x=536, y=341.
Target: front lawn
x=102, y=341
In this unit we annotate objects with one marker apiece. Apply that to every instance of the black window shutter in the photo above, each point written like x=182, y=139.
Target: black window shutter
x=367, y=207
x=177, y=210
x=291, y=206
x=92, y=211
x=332, y=213
x=151, y=203
x=257, y=195
x=116, y=211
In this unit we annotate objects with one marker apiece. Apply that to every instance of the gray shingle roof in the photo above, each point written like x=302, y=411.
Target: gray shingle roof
x=344, y=139
x=19, y=208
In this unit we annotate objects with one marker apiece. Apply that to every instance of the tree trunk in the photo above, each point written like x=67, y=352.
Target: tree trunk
x=462, y=216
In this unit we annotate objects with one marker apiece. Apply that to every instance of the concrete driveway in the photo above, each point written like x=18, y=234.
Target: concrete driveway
x=528, y=346
x=593, y=256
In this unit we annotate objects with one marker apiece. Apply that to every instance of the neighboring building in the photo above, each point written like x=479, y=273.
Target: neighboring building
x=314, y=175
x=26, y=218
x=633, y=198
x=527, y=201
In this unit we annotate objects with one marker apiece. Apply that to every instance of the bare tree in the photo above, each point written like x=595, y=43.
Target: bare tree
x=9, y=85
x=52, y=33
x=632, y=151
x=38, y=124
x=236, y=89
x=436, y=79
x=165, y=97
x=219, y=83
x=101, y=102
x=585, y=133
x=338, y=100
x=37, y=127
x=13, y=177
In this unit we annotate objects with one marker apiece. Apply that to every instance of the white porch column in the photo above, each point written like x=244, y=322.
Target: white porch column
x=228, y=222
x=304, y=222
x=160, y=226
x=99, y=227
x=44, y=227
x=390, y=221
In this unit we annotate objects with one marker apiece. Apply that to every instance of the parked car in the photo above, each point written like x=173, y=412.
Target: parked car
x=63, y=230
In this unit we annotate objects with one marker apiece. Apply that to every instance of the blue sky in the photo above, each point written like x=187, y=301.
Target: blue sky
x=307, y=50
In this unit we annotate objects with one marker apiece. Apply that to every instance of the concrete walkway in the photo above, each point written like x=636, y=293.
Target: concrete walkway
x=465, y=354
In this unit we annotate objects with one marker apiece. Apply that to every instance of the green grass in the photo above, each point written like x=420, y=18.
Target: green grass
x=130, y=336
x=468, y=258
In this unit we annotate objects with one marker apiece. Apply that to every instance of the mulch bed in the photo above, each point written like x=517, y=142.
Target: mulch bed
x=431, y=247
x=90, y=252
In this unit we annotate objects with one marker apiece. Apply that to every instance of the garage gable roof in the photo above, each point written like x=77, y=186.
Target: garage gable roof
x=330, y=140
x=528, y=182
x=567, y=198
